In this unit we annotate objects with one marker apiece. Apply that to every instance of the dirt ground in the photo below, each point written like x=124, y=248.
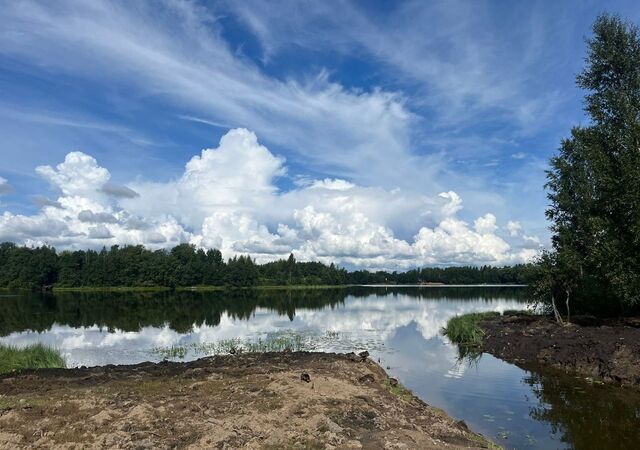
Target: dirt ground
x=253, y=401
x=607, y=350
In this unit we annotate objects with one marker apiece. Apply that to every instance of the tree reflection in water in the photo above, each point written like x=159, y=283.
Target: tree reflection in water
x=586, y=416
x=181, y=310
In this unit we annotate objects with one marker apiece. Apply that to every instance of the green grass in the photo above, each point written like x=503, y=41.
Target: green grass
x=398, y=390
x=465, y=330
x=36, y=356
x=271, y=343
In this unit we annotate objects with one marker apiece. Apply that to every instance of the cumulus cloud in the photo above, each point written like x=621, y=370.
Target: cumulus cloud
x=5, y=187
x=227, y=198
x=485, y=224
x=19, y=228
x=79, y=174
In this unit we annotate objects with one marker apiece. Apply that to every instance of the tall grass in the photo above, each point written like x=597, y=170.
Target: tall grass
x=36, y=356
x=465, y=330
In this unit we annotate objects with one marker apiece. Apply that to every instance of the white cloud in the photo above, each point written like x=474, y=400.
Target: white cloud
x=452, y=241
x=514, y=228
x=485, y=224
x=332, y=184
x=533, y=239
x=519, y=155
x=454, y=205
x=227, y=199
x=19, y=228
x=79, y=174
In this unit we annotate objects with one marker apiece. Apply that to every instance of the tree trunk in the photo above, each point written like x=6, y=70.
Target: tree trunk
x=555, y=310
x=568, y=310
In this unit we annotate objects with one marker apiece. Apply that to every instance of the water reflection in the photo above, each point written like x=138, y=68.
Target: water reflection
x=182, y=310
x=401, y=326
x=111, y=328
x=586, y=416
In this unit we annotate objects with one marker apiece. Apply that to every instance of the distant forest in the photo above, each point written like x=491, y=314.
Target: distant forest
x=185, y=265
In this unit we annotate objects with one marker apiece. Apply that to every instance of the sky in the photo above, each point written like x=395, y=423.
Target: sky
x=377, y=134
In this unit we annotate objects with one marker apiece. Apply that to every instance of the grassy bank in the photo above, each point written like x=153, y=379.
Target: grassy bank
x=468, y=334
x=36, y=356
x=465, y=330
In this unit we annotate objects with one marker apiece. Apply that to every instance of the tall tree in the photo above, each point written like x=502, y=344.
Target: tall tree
x=594, y=182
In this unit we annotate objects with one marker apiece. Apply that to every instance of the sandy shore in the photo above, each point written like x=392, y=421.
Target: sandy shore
x=253, y=401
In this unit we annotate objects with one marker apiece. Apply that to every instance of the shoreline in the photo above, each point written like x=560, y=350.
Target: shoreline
x=203, y=288
x=606, y=350
x=253, y=400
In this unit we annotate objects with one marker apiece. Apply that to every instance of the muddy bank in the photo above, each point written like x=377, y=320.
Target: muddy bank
x=607, y=350
x=254, y=401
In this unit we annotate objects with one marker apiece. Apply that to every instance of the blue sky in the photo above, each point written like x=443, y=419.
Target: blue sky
x=351, y=123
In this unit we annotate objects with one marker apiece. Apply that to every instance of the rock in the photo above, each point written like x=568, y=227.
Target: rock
x=305, y=377
x=393, y=381
x=363, y=355
x=368, y=378
x=333, y=427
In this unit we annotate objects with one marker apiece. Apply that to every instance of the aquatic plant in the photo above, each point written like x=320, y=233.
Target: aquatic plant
x=36, y=356
x=269, y=343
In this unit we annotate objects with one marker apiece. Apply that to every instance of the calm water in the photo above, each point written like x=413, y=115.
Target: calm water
x=400, y=326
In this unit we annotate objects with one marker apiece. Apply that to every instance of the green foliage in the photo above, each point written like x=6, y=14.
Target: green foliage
x=32, y=357
x=465, y=330
x=518, y=274
x=594, y=184
x=186, y=266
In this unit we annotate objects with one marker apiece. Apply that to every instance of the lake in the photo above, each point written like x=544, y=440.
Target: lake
x=399, y=326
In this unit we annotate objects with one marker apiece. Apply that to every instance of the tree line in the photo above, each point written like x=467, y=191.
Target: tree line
x=185, y=265
x=594, y=187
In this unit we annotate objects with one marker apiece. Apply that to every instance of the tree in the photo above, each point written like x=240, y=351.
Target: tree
x=594, y=181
